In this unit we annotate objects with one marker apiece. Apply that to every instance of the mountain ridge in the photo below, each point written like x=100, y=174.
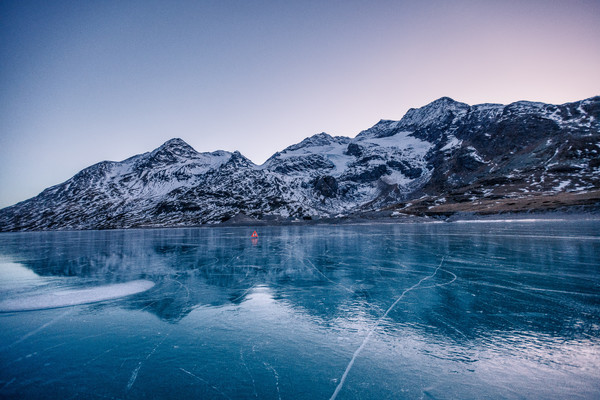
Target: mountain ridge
x=443, y=153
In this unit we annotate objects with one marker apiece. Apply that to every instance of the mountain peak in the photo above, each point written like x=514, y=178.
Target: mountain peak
x=434, y=113
x=175, y=143
x=175, y=146
x=444, y=102
x=320, y=139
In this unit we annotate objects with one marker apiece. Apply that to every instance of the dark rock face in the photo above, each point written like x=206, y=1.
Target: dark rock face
x=446, y=151
x=369, y=174
x=354, y=150
x=326, y=186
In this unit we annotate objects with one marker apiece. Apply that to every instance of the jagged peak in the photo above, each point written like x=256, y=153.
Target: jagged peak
x=444, y=103
x=434, y=112
x=175, y=147
x=316, y=139
x=238, y=158
x=430, y=113
x=445, y=100
x=320, y=139
x=380, y=128
x=175, y=143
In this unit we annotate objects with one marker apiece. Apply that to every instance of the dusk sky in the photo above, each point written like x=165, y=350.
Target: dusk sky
x=86, y=81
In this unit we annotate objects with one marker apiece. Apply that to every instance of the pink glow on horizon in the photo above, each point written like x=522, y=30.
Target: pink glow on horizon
x=87, y=82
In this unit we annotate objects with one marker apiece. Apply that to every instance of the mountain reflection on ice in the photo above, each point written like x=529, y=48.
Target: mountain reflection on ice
x=513, y=311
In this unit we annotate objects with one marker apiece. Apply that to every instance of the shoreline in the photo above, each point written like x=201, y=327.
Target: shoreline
x=374, y=218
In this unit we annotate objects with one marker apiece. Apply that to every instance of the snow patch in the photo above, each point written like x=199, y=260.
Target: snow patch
x=73, y=297
x=561, y=185
x=477, y=157
x=453, y=143
x=401, y=141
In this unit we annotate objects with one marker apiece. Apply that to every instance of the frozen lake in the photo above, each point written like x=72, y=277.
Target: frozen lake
x=444, y=311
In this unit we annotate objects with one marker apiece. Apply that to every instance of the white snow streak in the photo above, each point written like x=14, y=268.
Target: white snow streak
x=453, y=143
x=74, y=297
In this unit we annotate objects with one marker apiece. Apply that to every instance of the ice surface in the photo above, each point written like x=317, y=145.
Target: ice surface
x=511, y=313
x=66, y=298
x=366, y=339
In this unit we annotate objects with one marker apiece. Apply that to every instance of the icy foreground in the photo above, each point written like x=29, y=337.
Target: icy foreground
x=440, y=159
x=386, y=311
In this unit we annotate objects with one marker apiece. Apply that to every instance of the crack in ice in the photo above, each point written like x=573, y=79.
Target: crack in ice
x=8, y=383
x=454, y=277
x=244, y=293
x=134, y=375
x=205, y=382
x=269, y=366
x=33, y=332
x=136, y=370
x=100, y=355
x=366, y=339
x=249, y=373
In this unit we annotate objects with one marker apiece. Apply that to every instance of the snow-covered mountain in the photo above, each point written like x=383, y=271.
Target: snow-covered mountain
x=442, y=154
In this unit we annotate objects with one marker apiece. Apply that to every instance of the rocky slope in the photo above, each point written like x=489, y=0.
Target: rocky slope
x=439, y=159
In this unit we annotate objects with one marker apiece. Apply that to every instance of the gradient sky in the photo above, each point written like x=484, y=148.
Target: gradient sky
x=86, y=81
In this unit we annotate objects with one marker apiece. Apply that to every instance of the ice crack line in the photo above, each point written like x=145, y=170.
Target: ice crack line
x=249, y=373
x=33, y=332
x=216, y=389
x=244, y=293
x=135, y=372
x=366, y=339
x=276, y=378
